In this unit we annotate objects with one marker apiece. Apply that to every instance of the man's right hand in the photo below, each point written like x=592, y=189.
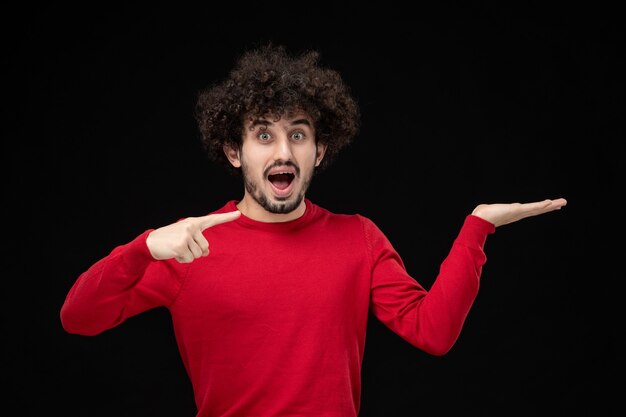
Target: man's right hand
x=184, y=240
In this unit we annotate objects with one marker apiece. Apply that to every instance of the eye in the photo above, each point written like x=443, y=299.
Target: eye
x=264, y=136
x=297, y=136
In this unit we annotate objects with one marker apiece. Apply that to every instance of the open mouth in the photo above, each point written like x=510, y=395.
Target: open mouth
x=281, y=180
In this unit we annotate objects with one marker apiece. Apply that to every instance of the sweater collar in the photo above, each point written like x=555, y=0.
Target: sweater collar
x=273, y=226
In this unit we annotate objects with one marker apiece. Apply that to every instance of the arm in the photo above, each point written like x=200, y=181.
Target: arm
x=122, y=284
x=137, y=276
x=432, y=319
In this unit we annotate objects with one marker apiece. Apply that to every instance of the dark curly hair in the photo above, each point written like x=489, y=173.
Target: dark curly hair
x=268, y=81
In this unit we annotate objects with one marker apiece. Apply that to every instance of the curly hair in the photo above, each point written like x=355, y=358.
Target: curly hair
x=268, y=81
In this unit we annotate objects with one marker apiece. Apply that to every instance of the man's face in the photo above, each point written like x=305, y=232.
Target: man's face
x=277, y=160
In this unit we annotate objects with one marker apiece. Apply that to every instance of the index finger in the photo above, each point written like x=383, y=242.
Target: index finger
x=218, y=218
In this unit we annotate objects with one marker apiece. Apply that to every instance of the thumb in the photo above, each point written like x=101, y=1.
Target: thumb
x=218, y=218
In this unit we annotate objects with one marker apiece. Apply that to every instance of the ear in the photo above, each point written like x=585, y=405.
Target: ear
x=321, y=150
x=233, y=155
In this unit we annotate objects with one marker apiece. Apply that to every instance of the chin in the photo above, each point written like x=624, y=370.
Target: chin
x=282, y=205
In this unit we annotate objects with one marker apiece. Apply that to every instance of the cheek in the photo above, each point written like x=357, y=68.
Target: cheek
x=253, y=156
x=307, y=155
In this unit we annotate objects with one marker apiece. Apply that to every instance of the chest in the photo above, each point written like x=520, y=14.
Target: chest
x=278, y=279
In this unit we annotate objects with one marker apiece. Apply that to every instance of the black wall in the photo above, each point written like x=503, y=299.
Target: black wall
x=462, y=104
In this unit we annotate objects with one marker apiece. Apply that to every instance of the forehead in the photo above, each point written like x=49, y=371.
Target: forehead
x=289, y=118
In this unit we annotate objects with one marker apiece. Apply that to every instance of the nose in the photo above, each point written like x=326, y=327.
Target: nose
x=282, y=150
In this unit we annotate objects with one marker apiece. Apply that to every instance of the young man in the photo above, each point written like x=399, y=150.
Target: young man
x=270, y=319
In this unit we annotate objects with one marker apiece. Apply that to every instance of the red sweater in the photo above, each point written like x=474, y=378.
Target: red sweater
x=272, y=323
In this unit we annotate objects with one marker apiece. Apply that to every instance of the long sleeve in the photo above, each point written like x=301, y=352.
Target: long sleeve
x=428, y=319
x=122, y=284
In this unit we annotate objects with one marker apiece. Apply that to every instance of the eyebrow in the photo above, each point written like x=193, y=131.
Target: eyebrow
x=265, y=122
x=301, y=122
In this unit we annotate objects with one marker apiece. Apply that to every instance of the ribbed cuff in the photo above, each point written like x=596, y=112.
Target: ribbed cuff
x=136, y=256
x=474, y=232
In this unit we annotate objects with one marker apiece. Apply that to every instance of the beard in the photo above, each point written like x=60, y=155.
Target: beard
x=281, y=205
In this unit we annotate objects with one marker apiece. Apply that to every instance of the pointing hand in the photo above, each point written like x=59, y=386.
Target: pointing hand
x=184, y=240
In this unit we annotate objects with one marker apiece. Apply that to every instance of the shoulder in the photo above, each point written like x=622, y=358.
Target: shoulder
x=345, y=219
x=230, y=205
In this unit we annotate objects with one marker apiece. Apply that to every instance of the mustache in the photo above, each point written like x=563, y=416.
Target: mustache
x=282, y=164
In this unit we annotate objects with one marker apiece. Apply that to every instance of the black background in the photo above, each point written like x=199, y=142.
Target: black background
x=462, y=104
